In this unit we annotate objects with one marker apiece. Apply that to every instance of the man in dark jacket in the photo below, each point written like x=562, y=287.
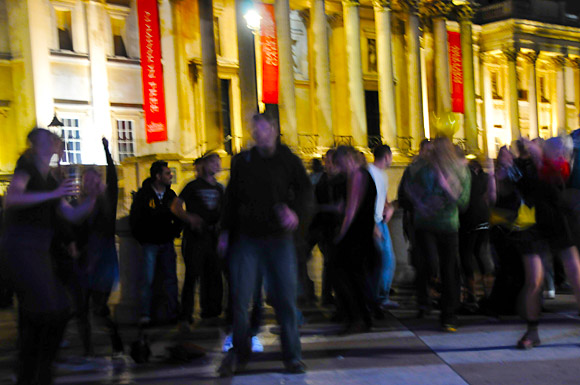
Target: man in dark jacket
x=155, y=227
x=267, y=196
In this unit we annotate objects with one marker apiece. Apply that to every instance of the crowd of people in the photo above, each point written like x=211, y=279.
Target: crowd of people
x=470, y=225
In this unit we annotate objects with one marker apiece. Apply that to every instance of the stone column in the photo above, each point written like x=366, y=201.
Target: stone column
x=414, y=74
x=246, y=71
x=511, y=54
x=99, y=81
x=287, y=97
x=487, y=104
x=211, y=89
x=560, y=66
x=465, y=15
x=358, y=118
x=385, y=67
x=531, y=58
x=438, y=10
x=322, y=74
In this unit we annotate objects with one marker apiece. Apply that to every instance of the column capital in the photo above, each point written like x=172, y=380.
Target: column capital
x=435, y=8
x=465, y=12
x=305, y=15
x=559, y=61
x=511, y=52
x=336, y=20
x=351, y=3
x=574, y=63
x=382, y=4
x=531, y=57
x=411, y=6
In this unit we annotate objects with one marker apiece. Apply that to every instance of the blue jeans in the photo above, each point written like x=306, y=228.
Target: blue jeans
x=163, y=256
x=388, y=263
x=276, y=257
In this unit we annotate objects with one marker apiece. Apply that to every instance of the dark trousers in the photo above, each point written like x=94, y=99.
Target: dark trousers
x=444, y=247
x=352, y=285
x=40, y=336
x=201, y=264
x=276, y=257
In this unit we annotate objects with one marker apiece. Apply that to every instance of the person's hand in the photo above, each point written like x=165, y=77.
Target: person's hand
x=388, y=213
x=195, y=222
x=68, y=187
x=287, y=217
x=105, y=142
x=377, y=233
x=223, y=243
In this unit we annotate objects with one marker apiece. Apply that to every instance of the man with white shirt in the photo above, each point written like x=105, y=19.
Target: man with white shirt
x=383, y=212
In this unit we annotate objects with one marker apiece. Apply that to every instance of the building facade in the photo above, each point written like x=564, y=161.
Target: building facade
x=350, y=72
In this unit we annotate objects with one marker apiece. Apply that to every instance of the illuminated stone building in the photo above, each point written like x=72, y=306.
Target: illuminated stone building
x=350, y=71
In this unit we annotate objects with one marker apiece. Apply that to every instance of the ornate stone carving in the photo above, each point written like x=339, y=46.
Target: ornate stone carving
x=336, y=20
x=511, y=53
x=574, y=63
x=435, y=8
x=351, y=3
x=411, y=6
x=559, y=61
x=531, y=57
x=465, y=12
x=382, y=4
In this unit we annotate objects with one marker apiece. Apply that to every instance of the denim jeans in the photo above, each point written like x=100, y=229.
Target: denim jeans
x=162, y=257
x=388, y=263
x=276, y=257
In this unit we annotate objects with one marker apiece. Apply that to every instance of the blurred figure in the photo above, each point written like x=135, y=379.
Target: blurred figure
x=439, y=191
x=383, y=213
x=97, y=254
x=33, y=200
x=267, y=196
x=356, y=256
x=155, y=227
x=474, y=236
x=203, y=200
x=317, y=171
x=426, y=272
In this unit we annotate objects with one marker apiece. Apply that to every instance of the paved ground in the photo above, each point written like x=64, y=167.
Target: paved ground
x=399, y=350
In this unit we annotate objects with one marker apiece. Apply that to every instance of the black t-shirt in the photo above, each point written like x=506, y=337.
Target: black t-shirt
x=204, y=199
x=477, y=212
x=42, y=214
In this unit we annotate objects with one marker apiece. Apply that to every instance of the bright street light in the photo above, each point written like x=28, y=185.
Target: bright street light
x=253, y=20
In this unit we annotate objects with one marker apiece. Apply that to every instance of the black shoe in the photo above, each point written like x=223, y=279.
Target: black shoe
x=231, y=364
x=295, y=367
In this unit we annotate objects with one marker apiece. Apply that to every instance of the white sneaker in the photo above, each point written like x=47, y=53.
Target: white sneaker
x=228, y=343
x=257, y=346
x=549, y=294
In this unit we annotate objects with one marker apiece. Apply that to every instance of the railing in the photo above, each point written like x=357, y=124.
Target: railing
x=343, y=140
x=308, y=143
x=374, y=141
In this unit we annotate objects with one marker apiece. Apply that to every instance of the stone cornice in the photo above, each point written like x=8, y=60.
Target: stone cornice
x=336, y=20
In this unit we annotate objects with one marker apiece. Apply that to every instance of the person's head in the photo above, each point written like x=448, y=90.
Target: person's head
x=91, y=180
x=161, y=173
x=264, y=132
x=345, y=159
x=42, y=143
x=443, y=154
x=211, y=164
x=505, y=158
x=383, y=156
x=317, y=165
x=425, y=147
x=328, y=161
x=475, y=166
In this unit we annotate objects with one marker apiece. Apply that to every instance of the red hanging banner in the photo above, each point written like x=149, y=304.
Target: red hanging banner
x=269, y=48
x=152, y=71
x=456, y=66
